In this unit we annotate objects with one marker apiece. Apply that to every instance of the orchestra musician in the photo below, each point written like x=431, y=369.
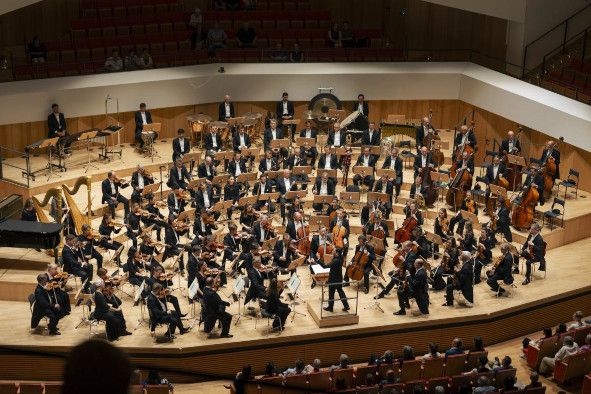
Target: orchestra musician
x=135, y=267
x=142, y=117
x=341, y=221
x=363, y=108
x=294, y=224
x=74, y=262
x=139, y=179
x=503, y=270
x=284, y=108
x=319, y=247
x=422, y=160
x=363, y=247
x=237, y=165
x=263, y=186
x=328, y=160
x=412, y=209
x=284, y=252
x=466, y=137
x=160, y=278
x=232, y=193
x=87, y=241
x=335, y=279
x=269, y=163
x=336, y=137
x=503, y=220
x=180, y=146
x=207, y=170
x=535, y=177
x=441, y=225
x=284, y=184
x=406, y=258
x=422, y=131
x=111, y=195
x=417, y=288
x=172, y=238
x=202, y=226
x=417, y=188
x=393, y=162
x=232, y=242
x=106, y=229
x=423, y=245
x=494, y=171
x=29, y=214
x=248, y=217
x=57, y=126
x=176, y=201
x=377, y=225
x=371, y=208
x=510, y=145
x=160, y=314
x=309, y=132
x=468, y=241
x=448, y=263
x=533, y=251
x=108, y=308
x=365, y=160
x=484, y=254
x=256, y=275
x=275, y=306
x=263, y=230
x=241, y=139
x=204, y=199
x=550, y=151
x=213, y=144
x=62, y=298
x=271, y=134
x=155, y=218
x=385, y=186
x=46, y=305
x=468, y=205
x=134, y=221
x=324, y=186
x=462, y=281
x=371, y=136
x=226, y=109
x=297, y=158
x=178, y=177
x=214, y=309
x=466, y=162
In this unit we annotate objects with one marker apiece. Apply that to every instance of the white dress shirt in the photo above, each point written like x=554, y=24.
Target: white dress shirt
x=337, y=139
x=228, y=113
x=144, y=120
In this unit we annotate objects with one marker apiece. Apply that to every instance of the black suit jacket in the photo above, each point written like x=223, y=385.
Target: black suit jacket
x=281, y=187
x=538, y=247
x=222, y=112
x=502, y=171
x=418, y=162
x=107, y=191
x=278, y=253
x=263, y=165
x=291, y=161
x=556, y=156
x=505, y=146
x=365, y=107
x=176, y=181
x=313, y=133
x=70, y=259
x=157, y=313
x=334, y=162
x=335, y=275
x=171, y=206
x=378, y=186
x=471, y=139
x=421, y=132
x=371, y=161
x=330, y=186
x=236, y=141
x=256, y=190
x=419, y=284
x=176, y=148
x=134, y=180
x=505, y=268
x=54, y=126
x=257, y=288
x=469, y=165
x=375, y=139
x=279, y=109
x=139, y=124
x=232, y=166
x=209, y=142
x=200, y=201
x=44, y=305
x=330, y=140
x=231, y=192
x=202, y=171
x=269, y=136
x=397, y=166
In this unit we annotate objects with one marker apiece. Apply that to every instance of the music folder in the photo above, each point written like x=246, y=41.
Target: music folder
x=362, y=170
x=290, y=195
x=301, y=170
x=246, y=200
x=279, y=143
x=305, y=142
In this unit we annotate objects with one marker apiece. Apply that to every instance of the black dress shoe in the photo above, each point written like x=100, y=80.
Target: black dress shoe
x=183, y=314
x=183, y=331
x=407, y=305
x=542, y=267
x=526, y=282
x=366, y=291
x=126, y=333
x=381, y=295
x=400, y=313
x=446, y=304
x=56, y=332
x=226, y=336
x=515, y=270
x=313, y=285
x=345, y=309
x=327, y=309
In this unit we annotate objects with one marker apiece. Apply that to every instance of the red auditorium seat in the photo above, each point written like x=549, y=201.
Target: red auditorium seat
x=572, y=367
x=409, y=387
x=411, y=370
x=502, y=375
x=362, y=372
x=459, y=381
x=346, y=374
x=442, y=381
x=455, y=365
x=586, y=389
x=433, y=368
x=30, y=388
x=319, y=381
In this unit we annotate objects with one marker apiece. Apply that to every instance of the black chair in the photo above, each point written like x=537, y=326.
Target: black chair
x=269, y=316
x=557, y=211
x=154, y=325
x=571, y=181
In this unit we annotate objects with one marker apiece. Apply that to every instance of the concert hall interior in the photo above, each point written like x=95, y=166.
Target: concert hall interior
x=295, y=196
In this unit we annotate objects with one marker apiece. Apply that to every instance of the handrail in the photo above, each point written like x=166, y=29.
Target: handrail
x=558, y=25
x=564, y=44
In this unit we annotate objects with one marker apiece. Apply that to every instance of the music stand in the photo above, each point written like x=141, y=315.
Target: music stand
x=269, y=196
x=222, y=206
x=305, y=142
x=86, y=137
x=274, y=174
x=374, y=196
x=149, y=189
x=269, y=244
x=386, y=171
x=373, y=149
x=49, y=143
x=246, y=200
x=318, y=199
x=149, y=129
x=293, y=284
x=220, y=179
x=188, y=214
x=332, y=173
x=246, y=177
x=497, y=190
x=192, y=158
x=292, y=194
x=235, y=121
x=317, y=221
x=362, y=170
x=379, y=275
x=301, y=170
x=440, y=180
x=290, y=123
x=516, y=161
x=277, y=144
x=350, y=198
x=433, y=238
x=471, y=216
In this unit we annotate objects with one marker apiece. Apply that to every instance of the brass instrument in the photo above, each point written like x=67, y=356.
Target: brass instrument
x=78, y=217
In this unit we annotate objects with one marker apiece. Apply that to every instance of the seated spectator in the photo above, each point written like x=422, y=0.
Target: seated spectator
x=546, y=333
x=569, y=348
x=387, y=358
x=482, y=366
x=334, y=36
x=114, y=62
x=278, y=54
x=561, y=329
x=408, y=354
x=484, y=386
x=509, y=384
x=146, y=59
x=578, y=318
x=439, y=390
x=391, y=377
x=347, y=39
x=196, y=27
x=132, y=62
x=296, y=55
x=433, y=352
x=270, y=370
x=216, y=39
x=534, y=381
x=373, y=359
x=587, y=345
x=456, y=348
x=246, y=36
x=298, y=369
x=505, y=364
x=343, y=363
x=478, y=344
x=241, y=378
x=315, y=367
x=37, y=51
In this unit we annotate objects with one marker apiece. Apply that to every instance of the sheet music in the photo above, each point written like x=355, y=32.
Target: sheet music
x=317, y=269
x=294, y=283
x=193, y=288
x=239, y=285
x=138, y=291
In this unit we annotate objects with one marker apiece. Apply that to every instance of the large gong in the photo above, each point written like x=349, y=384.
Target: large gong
x=321, y=104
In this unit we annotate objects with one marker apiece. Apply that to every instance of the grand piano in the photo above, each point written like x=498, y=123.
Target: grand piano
x=34, y=235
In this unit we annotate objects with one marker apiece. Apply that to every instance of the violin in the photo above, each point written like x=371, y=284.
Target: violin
x=180, y=226
x=120, y=182
x=444, y=223
x=208, y=219
x=163, y=293
x=165, y=276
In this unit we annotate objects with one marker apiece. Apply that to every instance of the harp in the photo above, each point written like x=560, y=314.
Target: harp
x=39, y=205
x=78, y=218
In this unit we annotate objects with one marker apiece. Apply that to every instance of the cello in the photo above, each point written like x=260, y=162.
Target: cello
x=303, y=240
x=523, y=212
x=549, y=169
x=403, y=233
x=458, y=187
x=431, y=192
x=356, y=269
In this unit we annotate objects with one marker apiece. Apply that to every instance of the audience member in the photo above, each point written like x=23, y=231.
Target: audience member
x=546, y=334
x=334, y=35
x=347, y=39
x=569, y=348
x=296, y=55
x=478, y=344
x=391, y=377
x=343, y=363
x=96, y=366
x=315, y=367
x=114, y=62
x=561, y=329
x=387, y=358
x=132, y=61
x=196, y=27
x=408, y=354
x=456, y=348
x=534, y=381
x=433, y=352
x=482, y=366
x=241, y=378
x=246, y=36
x=146, y=59
x=37, y=51
x=484, y=386
x=278, y=54
x=298, y=368
x=216, y=39
x=587, y=345
x=505, y=364
x=578, y=321
x=270, y=370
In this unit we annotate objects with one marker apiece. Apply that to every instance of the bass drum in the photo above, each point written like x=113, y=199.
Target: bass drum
x=321, y=104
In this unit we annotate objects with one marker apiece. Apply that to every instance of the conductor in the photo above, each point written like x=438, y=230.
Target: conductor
x=335, y=279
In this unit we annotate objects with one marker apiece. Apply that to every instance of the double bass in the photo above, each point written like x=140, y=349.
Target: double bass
x=303, y=240
x=460, y=149
x=431, y=192
x=458, y=187
x=549, y=169
x=436, y=153
x=523, y=211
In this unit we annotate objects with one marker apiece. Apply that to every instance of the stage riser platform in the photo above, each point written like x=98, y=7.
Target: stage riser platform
x=219, y=361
